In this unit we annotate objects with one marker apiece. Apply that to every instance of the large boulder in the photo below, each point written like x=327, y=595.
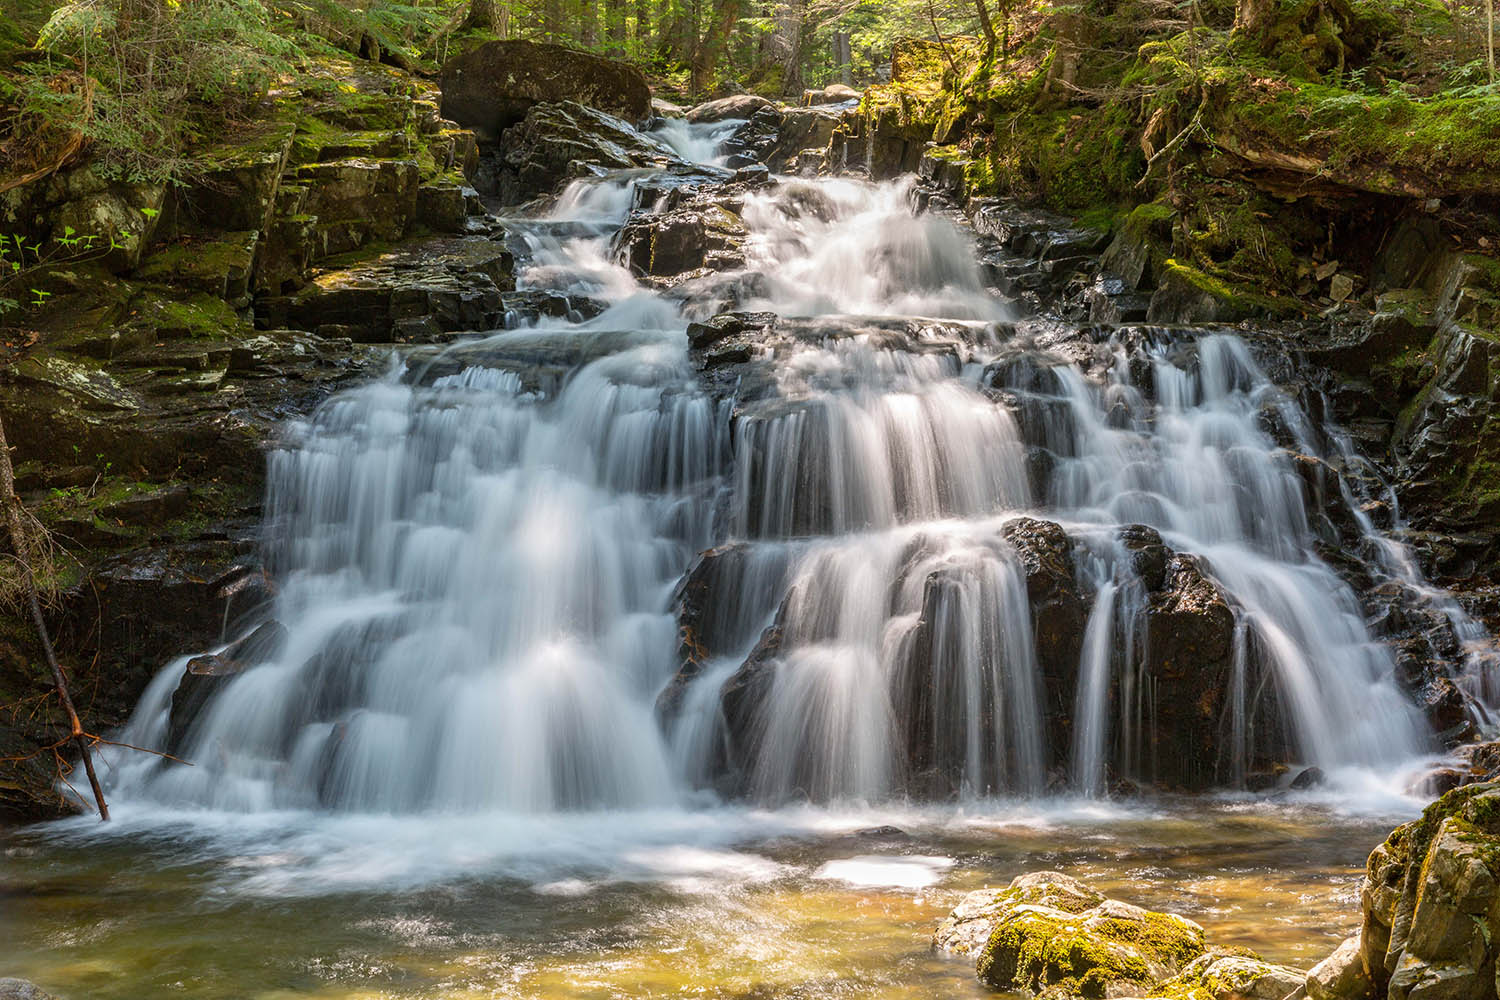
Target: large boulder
x=1052, y=936
x=727, y=108
x=494, y=86
x=1431, y=909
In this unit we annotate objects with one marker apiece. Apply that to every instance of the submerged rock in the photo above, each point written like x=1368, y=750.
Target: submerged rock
x=494, y=86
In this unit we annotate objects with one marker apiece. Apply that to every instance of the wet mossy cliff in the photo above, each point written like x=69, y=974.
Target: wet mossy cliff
x=1327, y=167
x=152, y=366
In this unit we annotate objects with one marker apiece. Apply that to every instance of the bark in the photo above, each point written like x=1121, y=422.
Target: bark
x=791, y=33
x=482, y=16
x=614, y=27
x=12, y=504
x=1489, y=35
x=588, y=23
x=552, y=20
x=985, y=25
x=643, y=25
x=715, y=41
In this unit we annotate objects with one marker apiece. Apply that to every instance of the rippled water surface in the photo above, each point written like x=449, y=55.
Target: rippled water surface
x=711, y=903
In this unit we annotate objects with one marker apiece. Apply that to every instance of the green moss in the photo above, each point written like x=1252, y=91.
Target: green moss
x=197, y=316
x=1059, y=939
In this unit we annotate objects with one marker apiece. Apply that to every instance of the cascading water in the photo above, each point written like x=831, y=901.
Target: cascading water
x=478, y=554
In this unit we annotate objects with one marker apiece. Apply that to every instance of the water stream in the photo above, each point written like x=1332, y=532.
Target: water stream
x=449, y=775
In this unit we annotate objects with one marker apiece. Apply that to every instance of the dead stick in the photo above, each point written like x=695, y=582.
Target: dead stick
x=12, y=505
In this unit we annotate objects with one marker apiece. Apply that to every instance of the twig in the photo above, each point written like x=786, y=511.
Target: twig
x=12, y=504
x=1177, y=139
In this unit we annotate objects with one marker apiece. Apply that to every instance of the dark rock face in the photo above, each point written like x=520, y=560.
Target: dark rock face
x=803, y=130
x=494, y=86
x=701, y=233
x=205, y=675
x=1057, y=607
x=556, y=142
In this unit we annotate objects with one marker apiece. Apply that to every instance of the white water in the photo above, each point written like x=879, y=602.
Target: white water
x=477, y=577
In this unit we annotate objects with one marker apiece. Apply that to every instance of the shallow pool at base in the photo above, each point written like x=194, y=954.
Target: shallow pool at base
x=714, y=903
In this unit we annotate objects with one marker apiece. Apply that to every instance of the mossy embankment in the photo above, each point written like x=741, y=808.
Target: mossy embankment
x=1263, y=140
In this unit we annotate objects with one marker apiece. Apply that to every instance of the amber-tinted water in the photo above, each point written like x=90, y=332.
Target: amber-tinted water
x=715, y=903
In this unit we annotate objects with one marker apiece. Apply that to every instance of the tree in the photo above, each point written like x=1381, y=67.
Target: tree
x=482, y=17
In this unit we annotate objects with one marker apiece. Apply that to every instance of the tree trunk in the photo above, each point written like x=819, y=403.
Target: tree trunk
x=842, y=56
x=642, y=26
x=482, y=17
x=715, y=40
x=588, y=23
x=12, y=504
x=614, y=27
x=552, y=19
x=790, y=30
x=1489, y=35
x=990, y=41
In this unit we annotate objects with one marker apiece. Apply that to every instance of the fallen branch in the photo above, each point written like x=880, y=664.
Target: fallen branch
x=74, y=144
x=12, y=504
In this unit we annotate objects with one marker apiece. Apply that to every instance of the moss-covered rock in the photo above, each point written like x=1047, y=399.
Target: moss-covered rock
x=1052, y=936
x=1232, y=974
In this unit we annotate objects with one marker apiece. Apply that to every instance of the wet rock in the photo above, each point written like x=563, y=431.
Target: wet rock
x=236, y=190
x=1431, y=904
x=444, y=206
x=1053, y=937
x=220, y=267
x=358, y=201
x=1185, y=295
x=494, y=86
x=712, y=604
x=1341, y=976
x=457, y=283
x=754, y=141
x=834, y=93
x=702, y=233
x=1057, y=608
x=1231, y=975
x=802, y=129
x=715, y=330
x=557, y=142
x=967, y=929
x=666, y=109
x=206, y=675
x=738, y=106
x=1310, y=777
x=20, y=989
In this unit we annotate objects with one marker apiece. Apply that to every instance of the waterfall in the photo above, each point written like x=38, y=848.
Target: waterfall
x=926, y=545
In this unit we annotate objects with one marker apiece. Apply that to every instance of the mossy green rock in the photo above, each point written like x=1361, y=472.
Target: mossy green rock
x=1232, y=974
x=1055, y=937
x=1431, y=901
